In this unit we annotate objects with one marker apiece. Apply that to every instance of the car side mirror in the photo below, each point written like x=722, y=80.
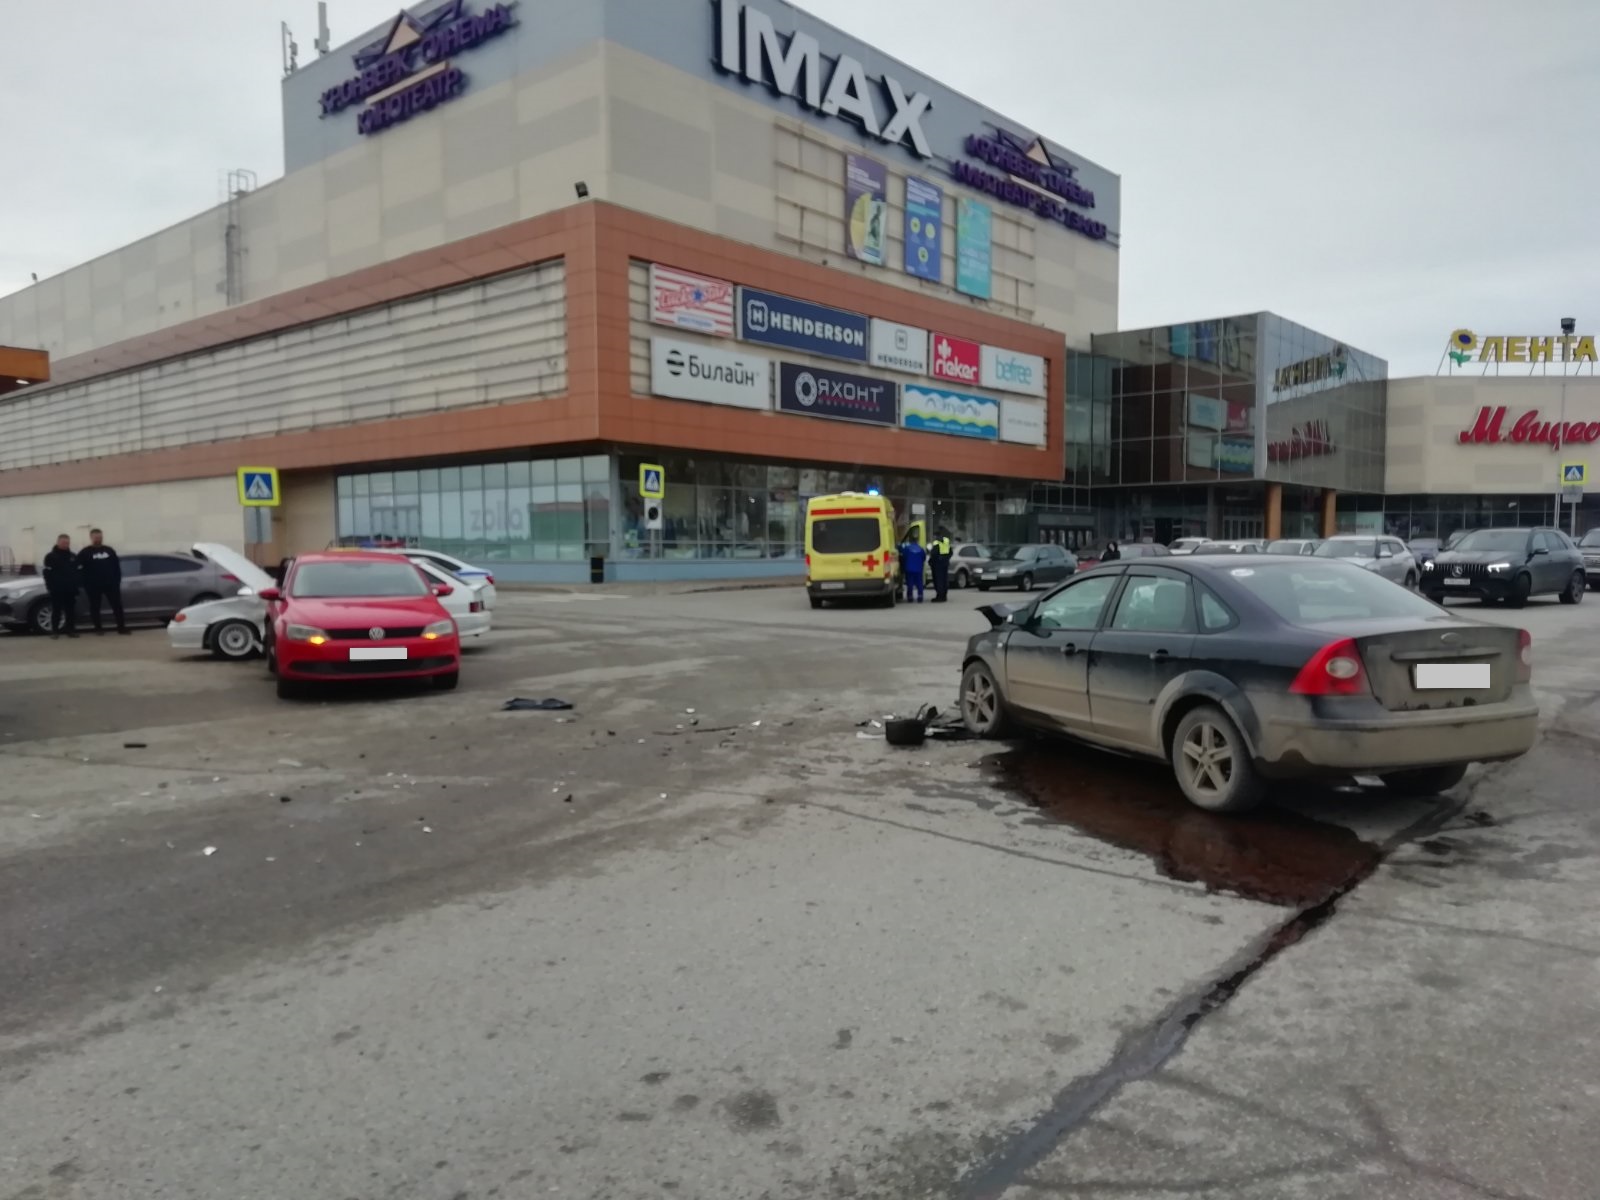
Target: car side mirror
x=270, y=594
x=1385, y=552
x=1540, y=550
x=245, y=591
x=442, y=589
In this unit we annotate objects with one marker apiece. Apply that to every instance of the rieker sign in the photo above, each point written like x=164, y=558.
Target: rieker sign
x=956, y=359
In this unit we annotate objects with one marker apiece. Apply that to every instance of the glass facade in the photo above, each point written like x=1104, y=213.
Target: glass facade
x=1323, y=411
x=1425, y=516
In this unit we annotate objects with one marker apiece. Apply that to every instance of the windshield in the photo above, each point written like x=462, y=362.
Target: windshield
x=1349, y=548
x=1285, y=547
x=1306, y=591
x=350, y=580
x=1004, y=552
x=1216, y=548
x=845, y=535
x=1592, y=538
x=1504, y=540
x=977, y=551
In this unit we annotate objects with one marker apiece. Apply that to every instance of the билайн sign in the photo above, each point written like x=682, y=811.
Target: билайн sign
x=409, y=70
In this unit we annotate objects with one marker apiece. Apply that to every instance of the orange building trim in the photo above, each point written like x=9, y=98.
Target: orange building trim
x=21, y=368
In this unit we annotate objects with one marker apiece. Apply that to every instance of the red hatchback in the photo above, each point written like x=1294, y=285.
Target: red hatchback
x=359, y=616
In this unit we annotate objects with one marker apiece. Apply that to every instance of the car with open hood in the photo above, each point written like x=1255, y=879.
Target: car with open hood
x=1508, y=565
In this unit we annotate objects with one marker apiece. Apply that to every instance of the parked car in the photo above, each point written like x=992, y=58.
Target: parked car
x=1589, y=546
x=1386, y=556
x=1187, y=545
x=1128, y=550
x=447, y=562
x=1293, y=546
x=1508, y=565
x=362, y=615
x=1246, y=671
x=236, y=628
x=1242, y=546
x=155, y=584
x=966, y=560
x=1024, y=566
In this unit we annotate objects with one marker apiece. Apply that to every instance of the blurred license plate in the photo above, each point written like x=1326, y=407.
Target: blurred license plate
x=1456, y=676
x=1458, y=583
x=360, y=653
x=832, y=587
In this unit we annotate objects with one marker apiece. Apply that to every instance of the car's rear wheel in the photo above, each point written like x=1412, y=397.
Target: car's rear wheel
x=1212, y=762
x=446, y=683
x=234, y=640
x=1426, y=781
x=1521, y=589
x=816, y=601
x=41, y=617
x=962, y=580
x=983, y=709
x=1027, y=582
x=1576, y=586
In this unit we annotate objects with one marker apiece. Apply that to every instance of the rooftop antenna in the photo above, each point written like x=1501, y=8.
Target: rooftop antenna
x=321, y=43
x=290, y=47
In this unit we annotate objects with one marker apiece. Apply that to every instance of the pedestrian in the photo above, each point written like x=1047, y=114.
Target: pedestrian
x=61, y=581
x=1112, y=554
x=100, y=571
x=939, y=555
x=913, y=561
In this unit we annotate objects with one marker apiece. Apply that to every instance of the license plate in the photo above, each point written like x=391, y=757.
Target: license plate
x=1455, y=676
x=1458, y=583
x=368, y=653
x=831, y=587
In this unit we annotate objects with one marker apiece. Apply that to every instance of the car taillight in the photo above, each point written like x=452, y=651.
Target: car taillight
x=1335, y=670
x=1524, y=656
x=490, y=578
x=230, y=579
x=475, y=606
x=176, y=617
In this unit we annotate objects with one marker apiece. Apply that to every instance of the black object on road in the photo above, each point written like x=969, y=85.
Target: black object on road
x=522, y=704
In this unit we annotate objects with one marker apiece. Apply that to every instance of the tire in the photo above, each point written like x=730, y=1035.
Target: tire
x=205, y=598
x=1436, y=597
x=983, y=709
x=446, y=683
x=984, y=587
x=1576, y=586
x=270, y=653
x=1522, y=588
x=1212, y=763
x=1428, y=781
x=1027, y=583
x=41, y=617
x=890, y=600
x=289, y=689
x=1411, y=580
x=816, y=601
x=961, y=581
x=234, y=640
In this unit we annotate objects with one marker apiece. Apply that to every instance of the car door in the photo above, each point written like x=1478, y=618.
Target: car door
x=170, y=583
x=1570, y=556
x=1544, y=564
x=1052, y=564
x=1384, y=549
x=134, y=586
x=1146, y=643
x=1047, y=664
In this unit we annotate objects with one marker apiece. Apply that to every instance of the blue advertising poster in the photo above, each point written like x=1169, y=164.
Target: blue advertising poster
x=815, y=392
x=935, y=410
x=924, y=228
x=775, y=320
x=974, y=248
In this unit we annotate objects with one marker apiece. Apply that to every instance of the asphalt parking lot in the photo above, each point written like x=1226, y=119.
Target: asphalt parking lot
x=707, y=935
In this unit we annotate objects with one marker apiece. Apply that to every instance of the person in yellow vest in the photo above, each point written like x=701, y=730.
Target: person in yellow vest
x=939, y=556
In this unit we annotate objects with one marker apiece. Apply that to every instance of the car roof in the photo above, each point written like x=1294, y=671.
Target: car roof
x=342, y=556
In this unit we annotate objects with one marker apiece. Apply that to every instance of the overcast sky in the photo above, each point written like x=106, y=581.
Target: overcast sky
x=1380, y=170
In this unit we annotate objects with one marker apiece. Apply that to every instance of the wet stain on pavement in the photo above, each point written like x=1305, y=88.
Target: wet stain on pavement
x=752, y=1110
x=1270, y=855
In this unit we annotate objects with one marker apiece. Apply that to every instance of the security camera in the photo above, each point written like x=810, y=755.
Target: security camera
x=582, y=189
x=1569, y=325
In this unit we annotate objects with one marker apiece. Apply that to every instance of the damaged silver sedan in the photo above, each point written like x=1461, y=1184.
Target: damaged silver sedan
x=1244, y=670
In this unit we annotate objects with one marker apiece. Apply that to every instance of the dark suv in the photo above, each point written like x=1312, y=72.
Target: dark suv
x=1589, y=545
x=1507, y=565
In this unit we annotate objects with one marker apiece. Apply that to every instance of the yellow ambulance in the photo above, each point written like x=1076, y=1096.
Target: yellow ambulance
x=851, y=549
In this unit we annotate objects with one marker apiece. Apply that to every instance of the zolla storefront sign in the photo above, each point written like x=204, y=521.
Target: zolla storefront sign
x=750, y=46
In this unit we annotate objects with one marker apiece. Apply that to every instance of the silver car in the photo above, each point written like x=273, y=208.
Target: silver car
x=966, y=560
x=231, y=628
x=1386, y=556
x=155, y=584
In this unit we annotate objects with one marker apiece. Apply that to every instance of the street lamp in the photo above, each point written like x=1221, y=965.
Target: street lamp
x=1569, y=326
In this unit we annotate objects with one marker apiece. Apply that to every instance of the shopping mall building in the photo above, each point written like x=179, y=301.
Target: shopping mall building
x=521, y=251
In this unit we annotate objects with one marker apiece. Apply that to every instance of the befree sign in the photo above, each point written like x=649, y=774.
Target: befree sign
x=794, y=65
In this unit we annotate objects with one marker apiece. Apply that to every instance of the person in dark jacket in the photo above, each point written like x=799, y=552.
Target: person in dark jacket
x=939, y=559
x=100, y=571
x=1112, y=554
x=61, y=581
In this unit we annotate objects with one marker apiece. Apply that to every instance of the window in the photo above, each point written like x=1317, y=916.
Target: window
x=156, y=564
x=1541, y=542
x=1308, y=592
x=1153, y=605
x=1349, y=548
x=969, y=552
x=1507, y=541
x=1076, y=606
x=1214, y=614
x=325, y=580
x=845, y=535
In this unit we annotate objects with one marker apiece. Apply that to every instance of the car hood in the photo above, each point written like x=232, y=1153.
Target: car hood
x=246, y=608
x=1000, y=614
x=1007, y=562
x=355, y=613
x=1445, y=557
x=235, y=564
x=22, y=586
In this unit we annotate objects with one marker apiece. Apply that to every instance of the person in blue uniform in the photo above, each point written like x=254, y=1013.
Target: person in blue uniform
x=913, y=561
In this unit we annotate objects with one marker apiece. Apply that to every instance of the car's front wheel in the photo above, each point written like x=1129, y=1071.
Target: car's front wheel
x=41, y=617
x=289, y=689
x=446, y=683
x=1576, y=586
x=1212, y=762
x=1027, y=583
x=234, y=640
x=983, y=709
x=984, y=587
x=1521, y=589
x=1425, y=781
x=1411, y=580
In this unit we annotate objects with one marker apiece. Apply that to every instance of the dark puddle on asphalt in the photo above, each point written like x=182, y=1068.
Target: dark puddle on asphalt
x=1271, y=854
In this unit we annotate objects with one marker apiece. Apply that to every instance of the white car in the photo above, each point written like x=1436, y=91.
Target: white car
x=236, y=628
x=1187, y=545
x=452, y=565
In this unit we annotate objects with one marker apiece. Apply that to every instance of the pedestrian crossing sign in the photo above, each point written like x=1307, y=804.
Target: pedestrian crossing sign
x=1572, y=473
x=652, y=481
x=258, y=487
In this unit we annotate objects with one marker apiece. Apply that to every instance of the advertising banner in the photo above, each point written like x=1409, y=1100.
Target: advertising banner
x=1022, y=421
x=866, y=206
x=815, y=392
x=1008, y=371
x=690, y=371
x=956, y=359
x=933, y=410
x=974, y=248
x=688, y=301
x=924, y=233
x=800, y=325
x=898, y=347
x=1207, y=412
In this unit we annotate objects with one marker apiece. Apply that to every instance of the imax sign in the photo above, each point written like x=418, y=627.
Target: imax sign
x=750, y=46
